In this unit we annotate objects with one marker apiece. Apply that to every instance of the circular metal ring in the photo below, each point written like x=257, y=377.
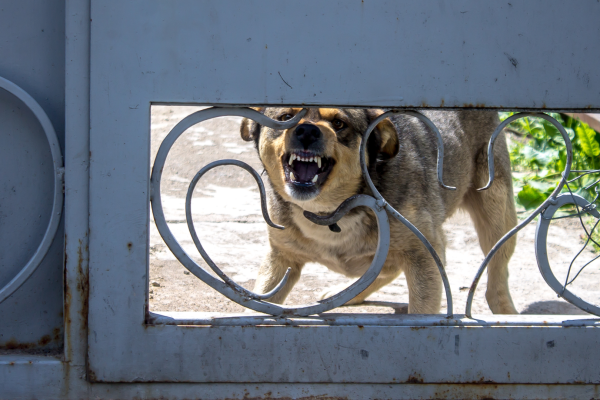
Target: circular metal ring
x=541, y=250
x=35, y=261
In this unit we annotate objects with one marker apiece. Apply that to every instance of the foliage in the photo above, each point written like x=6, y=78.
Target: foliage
x=538, y=157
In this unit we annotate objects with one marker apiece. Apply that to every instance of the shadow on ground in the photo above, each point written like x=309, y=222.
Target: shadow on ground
x=553, y=307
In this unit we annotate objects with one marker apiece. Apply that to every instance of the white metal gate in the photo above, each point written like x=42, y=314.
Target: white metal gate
x=396, y=54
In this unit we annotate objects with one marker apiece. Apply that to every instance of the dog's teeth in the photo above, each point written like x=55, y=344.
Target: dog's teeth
x=292, y=177
x=318, y=161
x=292, y=158
x=315, y=179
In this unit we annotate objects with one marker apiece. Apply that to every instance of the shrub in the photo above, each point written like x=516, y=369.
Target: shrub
x=538, y=157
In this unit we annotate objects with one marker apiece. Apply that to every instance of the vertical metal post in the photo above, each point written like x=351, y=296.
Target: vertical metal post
x=77, y=155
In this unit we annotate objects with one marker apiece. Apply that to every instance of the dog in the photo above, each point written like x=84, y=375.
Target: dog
x=315, y=166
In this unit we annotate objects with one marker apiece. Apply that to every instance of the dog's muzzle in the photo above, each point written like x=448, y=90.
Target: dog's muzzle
x=305, y=165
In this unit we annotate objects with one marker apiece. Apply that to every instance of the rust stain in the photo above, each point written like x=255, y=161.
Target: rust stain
x=269, y=395
x=417, y=328
x=13, y=344
x=471, y=105
x=83, y=286
x=56, y=334
x=129, y=246
x=82, y=289
x=468, y=391
x=415, y=378
x=67, y=300
x=92, y=376
x=65, y=250
x=45, y=340
x=483, y=380
x=442, y=103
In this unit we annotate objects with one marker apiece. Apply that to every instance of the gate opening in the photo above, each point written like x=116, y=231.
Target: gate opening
x=227, y=217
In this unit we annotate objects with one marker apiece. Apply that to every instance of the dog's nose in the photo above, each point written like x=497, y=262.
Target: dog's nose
x=307, y=134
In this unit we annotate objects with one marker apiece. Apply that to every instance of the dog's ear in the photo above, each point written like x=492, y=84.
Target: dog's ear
x=388, y=137
x=250, y=129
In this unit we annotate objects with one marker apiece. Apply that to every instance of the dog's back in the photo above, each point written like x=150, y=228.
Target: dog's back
x=412, y=174
x=315, y=166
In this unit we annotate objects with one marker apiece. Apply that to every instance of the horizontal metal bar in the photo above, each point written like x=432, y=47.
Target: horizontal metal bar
x=363, y=106
x=339, y=319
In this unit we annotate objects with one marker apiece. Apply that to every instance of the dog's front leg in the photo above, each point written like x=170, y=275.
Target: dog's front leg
x=272, y=270
x=424, y=283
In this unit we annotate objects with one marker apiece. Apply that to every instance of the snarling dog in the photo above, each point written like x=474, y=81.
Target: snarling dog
x=315, y=166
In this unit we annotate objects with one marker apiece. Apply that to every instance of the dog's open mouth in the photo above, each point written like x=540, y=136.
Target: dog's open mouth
x=306, y=169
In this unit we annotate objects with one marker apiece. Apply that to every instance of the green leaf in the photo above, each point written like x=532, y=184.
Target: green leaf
x=539, y=158
x=530, y=197
x=551, y=130
x=587, y=139
x=542, y=186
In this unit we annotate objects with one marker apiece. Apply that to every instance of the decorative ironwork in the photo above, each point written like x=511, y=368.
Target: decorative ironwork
x=381, y=209
x=57, y=204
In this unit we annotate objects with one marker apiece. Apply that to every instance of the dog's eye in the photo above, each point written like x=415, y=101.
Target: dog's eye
x=337, y=124
x=285, y=117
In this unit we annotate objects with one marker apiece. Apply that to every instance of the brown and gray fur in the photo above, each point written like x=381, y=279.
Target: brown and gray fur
x=401, y=157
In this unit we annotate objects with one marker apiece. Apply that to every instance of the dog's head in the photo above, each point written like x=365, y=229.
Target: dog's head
x=316, y=164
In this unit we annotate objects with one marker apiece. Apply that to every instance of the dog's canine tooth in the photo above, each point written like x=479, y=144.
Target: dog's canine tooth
x=318, y=161
x=315, y=179
x=292, y=177
x=292, y=158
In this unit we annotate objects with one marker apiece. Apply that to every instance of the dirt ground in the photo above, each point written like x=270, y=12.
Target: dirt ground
x=229, y=223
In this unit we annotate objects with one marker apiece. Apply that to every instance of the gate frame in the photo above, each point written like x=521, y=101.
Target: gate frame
x=30, y=376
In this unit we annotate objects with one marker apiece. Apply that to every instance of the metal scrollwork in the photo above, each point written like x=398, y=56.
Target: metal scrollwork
x=377, y=203
x=225, y=285
x=57, y=205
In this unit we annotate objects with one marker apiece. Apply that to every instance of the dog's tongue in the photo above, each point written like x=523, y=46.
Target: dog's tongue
x=305, y=171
